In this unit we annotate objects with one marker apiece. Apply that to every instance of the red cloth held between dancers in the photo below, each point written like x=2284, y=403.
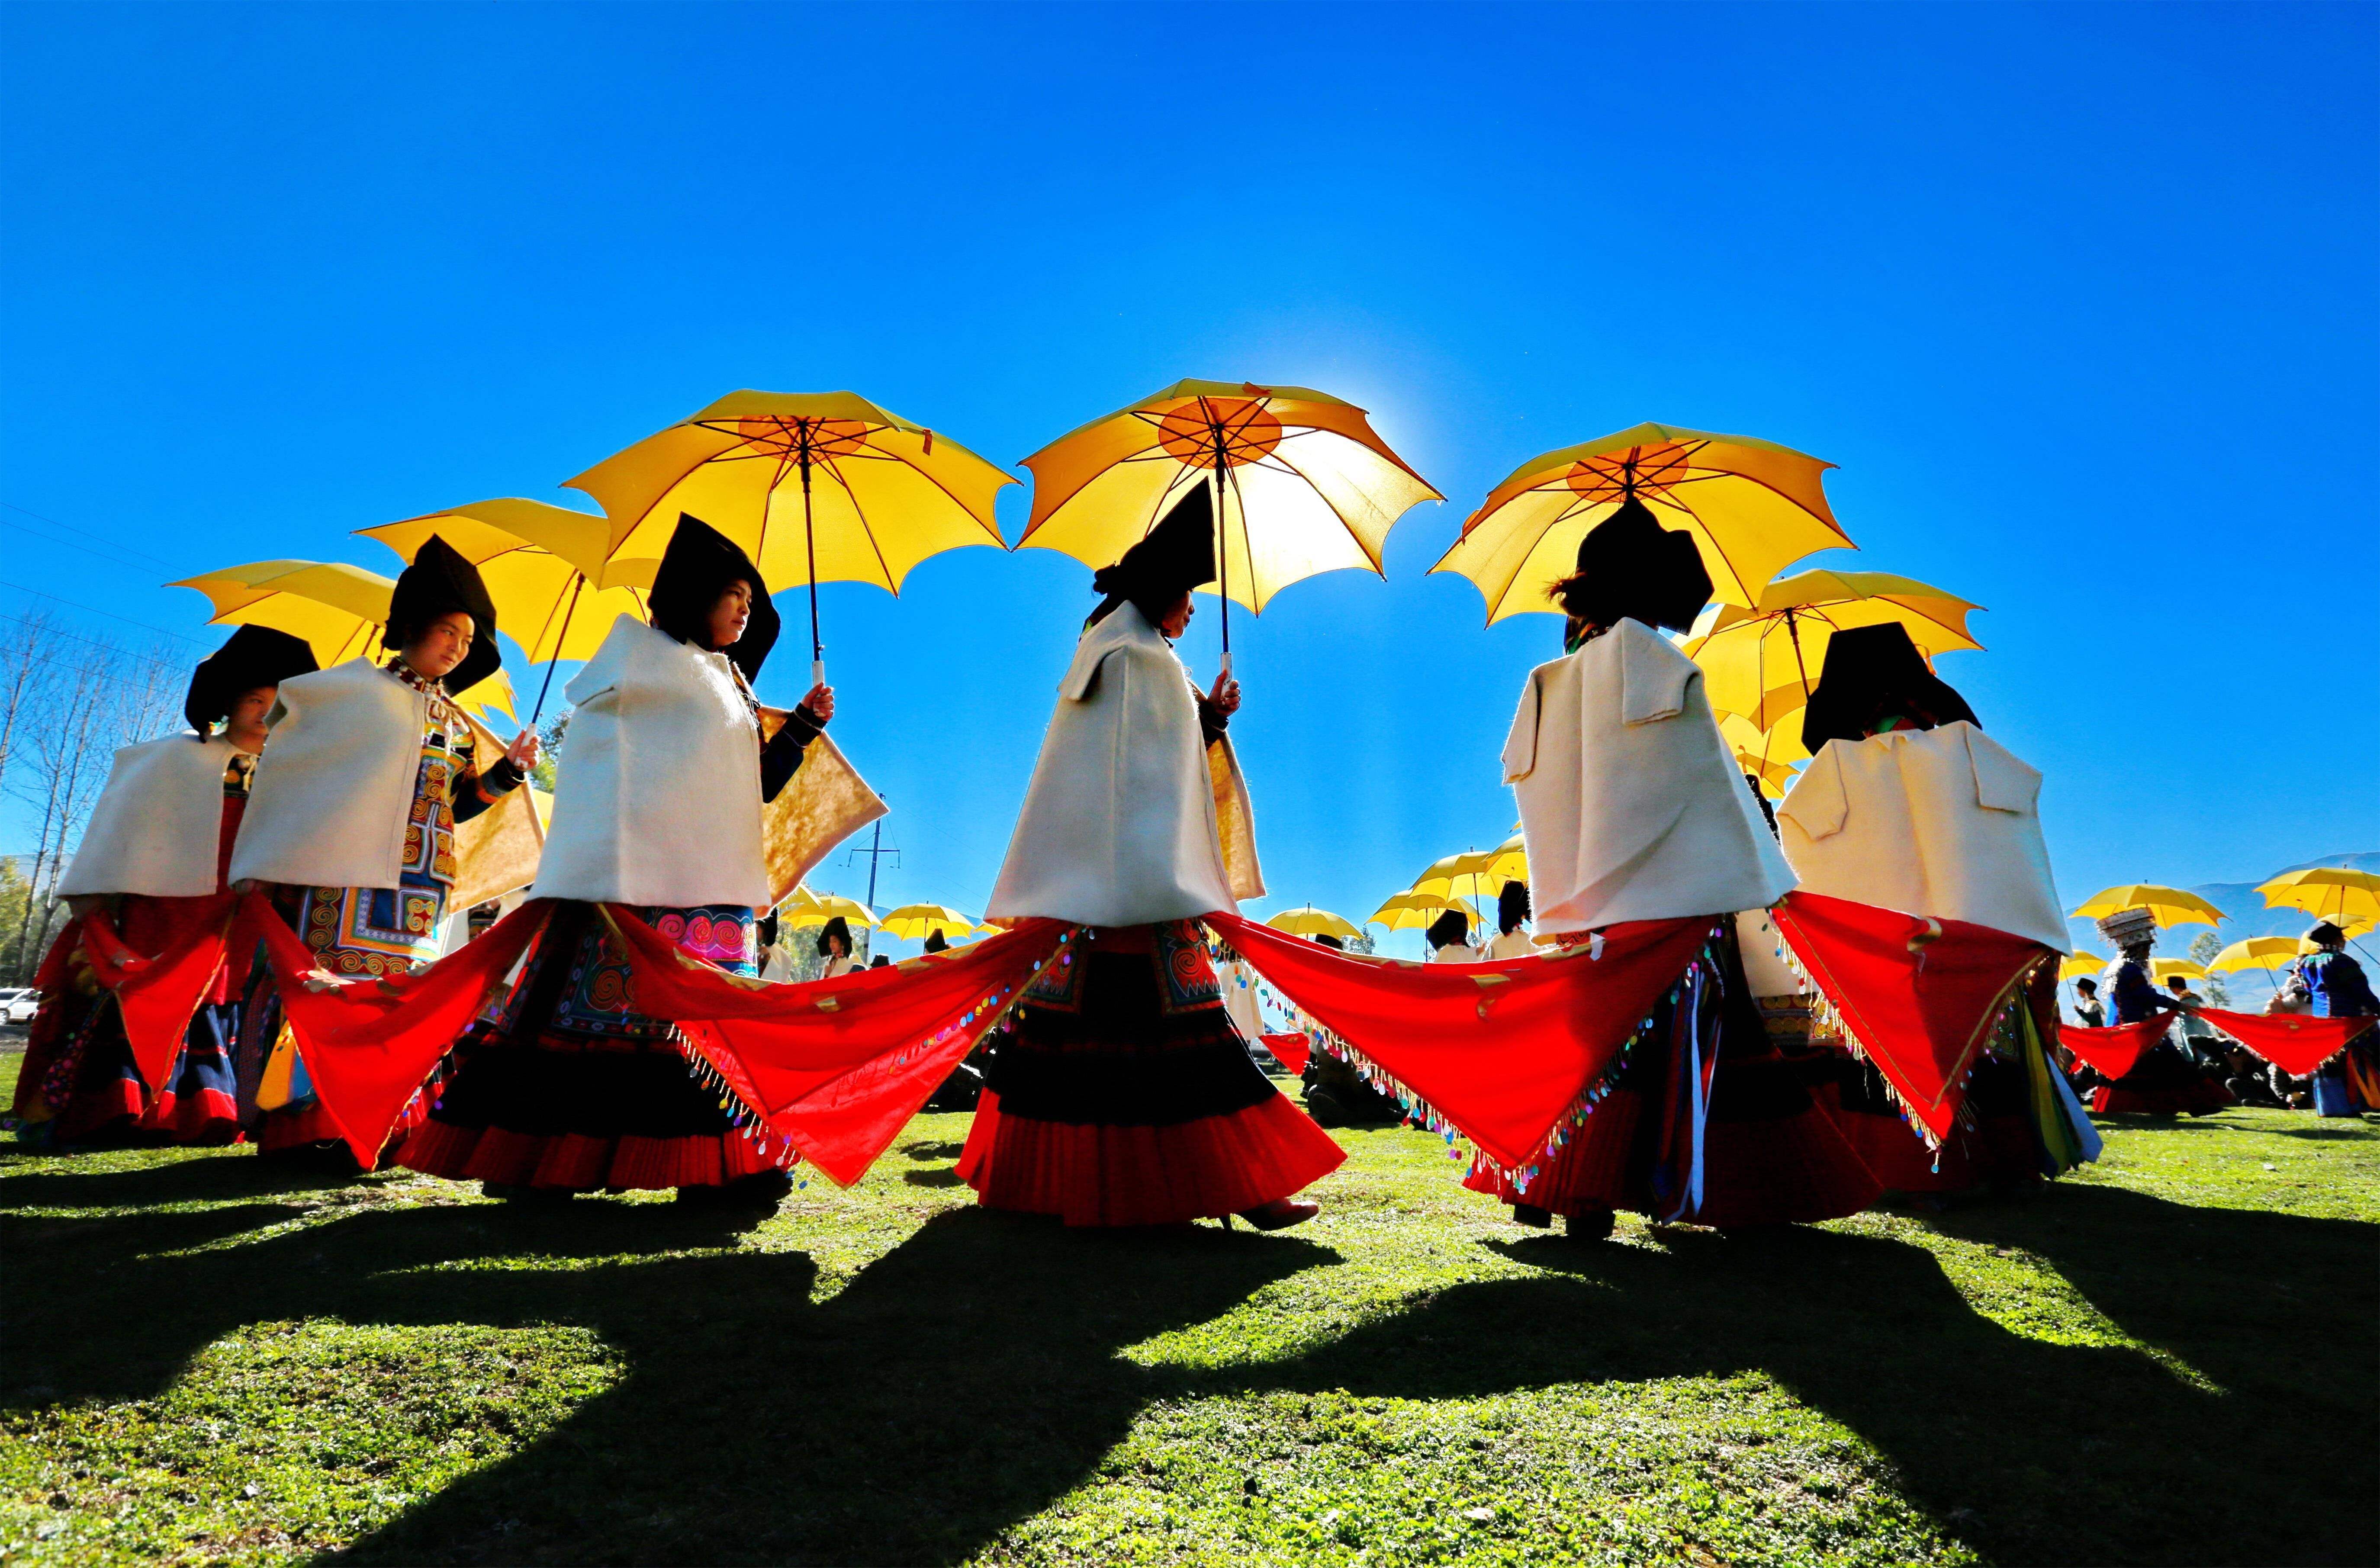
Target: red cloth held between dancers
x=157, y=994
x=835, y=1067
x=1501, y=1050
x=370, y=1043
x=2116, y=1049
x=1918, y=994
x=1292, y=1050
x=2295, y=1042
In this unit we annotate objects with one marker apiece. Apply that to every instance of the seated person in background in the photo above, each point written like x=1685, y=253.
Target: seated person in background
x=2250, y=1080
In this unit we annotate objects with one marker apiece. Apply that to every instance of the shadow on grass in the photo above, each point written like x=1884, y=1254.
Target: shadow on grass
x=209, y=1178
x=971, y=1377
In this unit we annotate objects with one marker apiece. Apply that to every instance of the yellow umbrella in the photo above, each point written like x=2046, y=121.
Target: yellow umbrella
x=1761, y=661
x=1511, y=864
x=2083, y=967
x=2331, y=892
x=2170, y=905
x=1307, y=920
x=1302, y=484
x=1442, y=873
x=877, y=494
x=2258, y=952
x=1767, y=754
x=1415, y=910
x=804, y=908
x=2163, y=969
x=544, y=567
x=915, y=922
x=1752, y=508
x=335, y=609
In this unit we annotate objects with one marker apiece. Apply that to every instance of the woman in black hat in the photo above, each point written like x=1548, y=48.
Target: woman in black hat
x=658, y=808
x=1634, y=809
x=351, y=827
x=1123, y=1095
x=834, y=946
x=157, y=844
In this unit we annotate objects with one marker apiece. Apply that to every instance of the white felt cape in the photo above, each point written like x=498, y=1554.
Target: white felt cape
x=158, y=823
x=1942, y=822
x=334, y=792
x=1631, y=806
x=657, y=801
x=1121, y=824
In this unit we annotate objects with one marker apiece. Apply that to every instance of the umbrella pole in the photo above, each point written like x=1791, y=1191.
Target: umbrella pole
x=810, y=545
x=1223, y=541
x=579, y=581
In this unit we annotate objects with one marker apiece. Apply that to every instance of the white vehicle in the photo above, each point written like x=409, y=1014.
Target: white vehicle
x=18, y=1005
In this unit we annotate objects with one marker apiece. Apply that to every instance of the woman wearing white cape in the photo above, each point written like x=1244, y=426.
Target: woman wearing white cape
x=1632, y=809
x=1122, y=1095
x=157, y=847
x=1907, y=804
x=657, y=806
x=351, y=828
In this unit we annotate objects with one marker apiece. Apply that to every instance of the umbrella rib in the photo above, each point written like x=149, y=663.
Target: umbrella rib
x=867, y=529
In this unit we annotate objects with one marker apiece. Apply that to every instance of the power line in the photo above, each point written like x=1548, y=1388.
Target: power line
x=95, y=610
x=70, y=528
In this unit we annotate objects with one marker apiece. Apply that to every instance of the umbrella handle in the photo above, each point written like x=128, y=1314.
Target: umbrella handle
x=817, y=672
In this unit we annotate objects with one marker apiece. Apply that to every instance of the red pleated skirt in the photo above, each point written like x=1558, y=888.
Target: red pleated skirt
x=1123, y=1096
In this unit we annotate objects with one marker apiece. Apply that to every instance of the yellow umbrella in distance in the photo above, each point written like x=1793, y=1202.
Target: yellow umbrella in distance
x=1762, y=660
x=2083, y=967
x=337, y=610
x=2164, y=969
x=2335, y=893
x=1307, y=920
x=817, y=487
x=2265, y=952
x=2170, y=905
x=1303, y=482
x=805, y=908
x=1767, y=754
x=1412, y=911
x=915, y=922
x=1752, y=508
x=1442, y=873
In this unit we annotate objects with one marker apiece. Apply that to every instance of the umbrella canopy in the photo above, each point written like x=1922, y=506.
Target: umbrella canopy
x=1470, y=867
x=802, y=907
x=2164, y=969
x=2332, y=892
x=1762, y=661
x=915, y=922
x=1751, y=506
x=336, y=608
x=1767, y=754
x=1306, y=484
x=2258, y=952
x=1307, y=920
x=1417, y=910
x=2083, y=967
x=816, y=487
x=2170, y=905
x=545, y=568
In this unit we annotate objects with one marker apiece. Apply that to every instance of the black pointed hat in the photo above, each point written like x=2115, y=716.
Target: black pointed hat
x=253, y=656
x=1871, y=672
x=695, y=570
x=1175, y=556
x=1630, y=565
x=441, y=582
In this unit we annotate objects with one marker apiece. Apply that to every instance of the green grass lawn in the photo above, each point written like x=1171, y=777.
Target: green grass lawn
x=2169, y=1359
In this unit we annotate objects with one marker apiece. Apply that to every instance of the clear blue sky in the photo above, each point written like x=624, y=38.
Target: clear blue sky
x=2082, y=299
